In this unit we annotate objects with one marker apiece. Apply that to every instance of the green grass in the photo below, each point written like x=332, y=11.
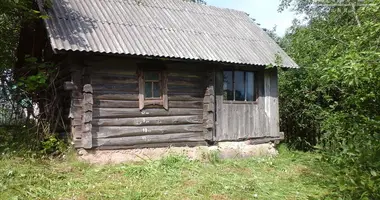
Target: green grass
x=291, y=175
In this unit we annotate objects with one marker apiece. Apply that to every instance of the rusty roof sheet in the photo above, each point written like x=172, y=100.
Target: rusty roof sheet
x=161, y=28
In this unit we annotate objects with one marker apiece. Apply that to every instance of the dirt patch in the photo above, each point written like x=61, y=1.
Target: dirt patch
x=224, y=150
x=218, y=197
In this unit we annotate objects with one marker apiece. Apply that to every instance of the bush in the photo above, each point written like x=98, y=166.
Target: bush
x=24, y=141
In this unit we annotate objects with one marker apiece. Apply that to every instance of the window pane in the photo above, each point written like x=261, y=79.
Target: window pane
x=152, y=76
x=228, y=86
x=239, y=86
x=250, y=86
x=156, y=90
x=148, y=90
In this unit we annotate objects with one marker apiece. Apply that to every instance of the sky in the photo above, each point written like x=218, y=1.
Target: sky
x=264, y=11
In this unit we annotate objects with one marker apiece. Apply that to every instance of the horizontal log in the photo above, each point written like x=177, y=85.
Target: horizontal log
x=106, y=95
x=182, y=90
x=135, y=104
x=185, y=97
x=187, y=74
x=195, y=83
x=127, y=131
x=114, y=79
x=194, y=80
x=120, y=95
x=128, y=141
x=149, y=121
x=124, y=67
x=135, y=112
x=105, y=86
x=196, y=94
x=155, y=145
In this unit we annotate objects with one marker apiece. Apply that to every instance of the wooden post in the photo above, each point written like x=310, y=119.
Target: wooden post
x=271, y=102
x=87, y=116
x=209, y=107
x=76, y=104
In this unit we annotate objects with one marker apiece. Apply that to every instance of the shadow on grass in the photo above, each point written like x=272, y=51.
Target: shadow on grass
x=18, y=140
x=315, y=172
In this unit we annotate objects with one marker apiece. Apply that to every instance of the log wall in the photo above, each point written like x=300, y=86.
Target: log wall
x=105, y=111
x=118, y=121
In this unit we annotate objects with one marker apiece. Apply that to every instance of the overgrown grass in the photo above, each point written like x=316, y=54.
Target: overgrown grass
x=291, y=175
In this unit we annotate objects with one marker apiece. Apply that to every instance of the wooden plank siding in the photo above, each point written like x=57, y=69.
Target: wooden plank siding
x=118, y=121
x=249, y=120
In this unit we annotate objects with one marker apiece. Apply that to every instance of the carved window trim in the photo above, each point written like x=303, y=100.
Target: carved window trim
x=162, y=101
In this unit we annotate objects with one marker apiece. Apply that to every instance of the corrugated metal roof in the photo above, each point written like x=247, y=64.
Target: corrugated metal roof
x=162, y=28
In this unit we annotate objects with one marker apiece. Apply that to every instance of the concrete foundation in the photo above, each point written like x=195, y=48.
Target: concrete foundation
x=223, y=150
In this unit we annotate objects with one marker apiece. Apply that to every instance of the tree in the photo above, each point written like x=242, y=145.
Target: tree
x=332, y=100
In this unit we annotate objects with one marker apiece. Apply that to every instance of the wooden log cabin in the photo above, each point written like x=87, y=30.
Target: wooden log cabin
x=158, y=73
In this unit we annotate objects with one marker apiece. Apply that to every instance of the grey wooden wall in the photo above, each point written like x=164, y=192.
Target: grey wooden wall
x=249, y=120
x=118, y=122
x=197, y=112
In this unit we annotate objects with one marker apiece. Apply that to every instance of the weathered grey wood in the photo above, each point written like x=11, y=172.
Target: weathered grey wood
x=141, y=89
x=87, y=127
x=209, y=106
x=127, y=131
x=76, y=131
x=135, y=112
x=242, y=120
x=87, y=117
x=111, y=64
x=219, y=115
x=88, y=89
x=271, y=101
x=107, y=95
x=128, y=141
x=69, y=85
x=127, y=87
x=76, y=102
x=149, y=121
x=114, y=78
x=75, y=112
x=164, y=86
x=135, y=104
x=155, y=145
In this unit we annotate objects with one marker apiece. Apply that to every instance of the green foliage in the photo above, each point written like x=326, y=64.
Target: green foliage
x=332, y=101
x=22, y=141
x=52, y=145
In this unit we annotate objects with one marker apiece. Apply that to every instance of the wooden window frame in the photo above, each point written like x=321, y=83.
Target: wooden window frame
x=153, y=102
x=256, y=90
